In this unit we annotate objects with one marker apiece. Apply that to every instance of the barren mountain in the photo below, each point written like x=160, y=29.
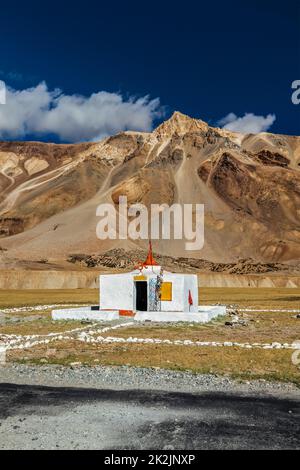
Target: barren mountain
x=249, y=184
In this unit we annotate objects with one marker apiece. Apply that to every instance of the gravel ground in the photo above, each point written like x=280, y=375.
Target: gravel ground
x=54, y=407
x=123, y=377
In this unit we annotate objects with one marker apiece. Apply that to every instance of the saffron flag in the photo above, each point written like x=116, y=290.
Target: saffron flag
x=190, y=298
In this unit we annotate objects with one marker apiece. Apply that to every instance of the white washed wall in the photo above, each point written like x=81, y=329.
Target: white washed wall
x=190, y=283
x=177, y=302
x=116, y=291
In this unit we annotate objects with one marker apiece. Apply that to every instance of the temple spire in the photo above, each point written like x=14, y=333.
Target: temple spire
x=150, y=261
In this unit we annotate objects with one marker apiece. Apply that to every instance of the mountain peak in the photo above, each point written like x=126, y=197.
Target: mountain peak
x=180, y=123
x=179, y=115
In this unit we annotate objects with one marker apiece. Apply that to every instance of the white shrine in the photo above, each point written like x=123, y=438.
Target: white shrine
x=148, y=293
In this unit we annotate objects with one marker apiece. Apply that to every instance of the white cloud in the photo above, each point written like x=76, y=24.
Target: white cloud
x=248, y=124
x=72, y=118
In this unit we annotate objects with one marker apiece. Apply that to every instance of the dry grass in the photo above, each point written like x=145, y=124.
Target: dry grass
x=260, y=298
x=39, y=327
x=269, y=297
x=27, y=297
x=251, y=364
x=261, y=328
x=264, y=326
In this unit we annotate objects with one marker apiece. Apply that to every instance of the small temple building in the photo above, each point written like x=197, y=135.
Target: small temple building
x=149, y=290
x=148, y=293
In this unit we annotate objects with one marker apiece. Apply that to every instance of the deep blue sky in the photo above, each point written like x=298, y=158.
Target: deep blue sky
x=204, y=59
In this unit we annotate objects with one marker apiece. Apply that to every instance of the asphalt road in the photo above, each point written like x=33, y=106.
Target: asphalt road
x=40, y=417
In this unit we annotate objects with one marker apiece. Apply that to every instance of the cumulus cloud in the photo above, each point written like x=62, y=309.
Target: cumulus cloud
x=247, y=124
x=73, y=118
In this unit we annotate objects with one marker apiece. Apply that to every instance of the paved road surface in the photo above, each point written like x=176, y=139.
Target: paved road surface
x=40, y=417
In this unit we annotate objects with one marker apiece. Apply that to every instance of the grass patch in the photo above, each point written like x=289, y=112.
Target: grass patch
x=39, y=327
x=237, y=363
x=261, y=328
x=261, y=297
x=28, y=297
x=265, y=327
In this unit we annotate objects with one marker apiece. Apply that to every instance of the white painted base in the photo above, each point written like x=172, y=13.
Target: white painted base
x=212, y=311
x=205, y=314
x=85, y=313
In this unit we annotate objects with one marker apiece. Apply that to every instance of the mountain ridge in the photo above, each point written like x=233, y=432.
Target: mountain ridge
x=249, y=184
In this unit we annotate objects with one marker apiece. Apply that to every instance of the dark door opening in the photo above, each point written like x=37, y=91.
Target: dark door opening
x=141, y=295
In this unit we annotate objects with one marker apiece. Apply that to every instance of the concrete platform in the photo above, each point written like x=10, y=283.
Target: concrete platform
x=85, y=313
x=205, y=314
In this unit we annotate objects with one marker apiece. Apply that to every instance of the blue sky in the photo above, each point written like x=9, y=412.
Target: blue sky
x=204, y=59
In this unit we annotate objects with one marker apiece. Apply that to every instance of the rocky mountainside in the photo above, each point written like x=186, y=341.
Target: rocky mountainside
x=249, y=184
